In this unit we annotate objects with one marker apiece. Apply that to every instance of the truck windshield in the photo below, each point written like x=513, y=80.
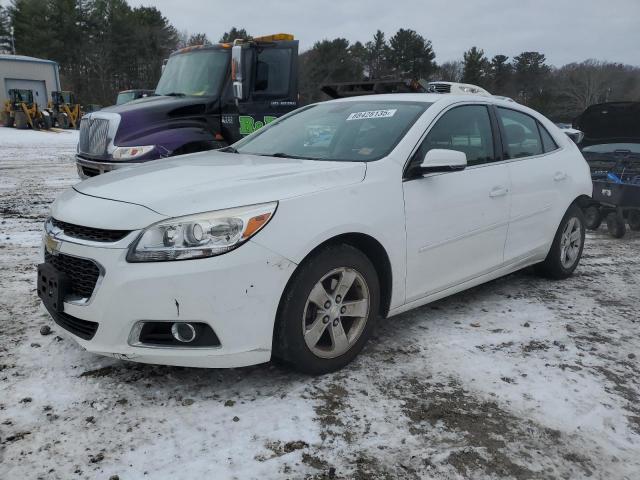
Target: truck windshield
x=351, y=131
x=198, y=73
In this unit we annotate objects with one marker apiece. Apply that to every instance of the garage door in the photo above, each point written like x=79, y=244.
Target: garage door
x=38, y=86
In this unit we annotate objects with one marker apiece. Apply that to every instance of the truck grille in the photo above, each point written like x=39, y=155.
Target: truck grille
x=89, y=233
x=94, y=135
x=82, y=273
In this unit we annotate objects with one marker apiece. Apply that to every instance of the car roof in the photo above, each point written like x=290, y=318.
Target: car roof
x=441, y=98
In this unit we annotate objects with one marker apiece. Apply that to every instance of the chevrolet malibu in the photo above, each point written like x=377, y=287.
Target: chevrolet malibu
x=293, y=242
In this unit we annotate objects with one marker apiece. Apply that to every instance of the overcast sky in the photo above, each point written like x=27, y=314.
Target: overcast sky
x=564, y=30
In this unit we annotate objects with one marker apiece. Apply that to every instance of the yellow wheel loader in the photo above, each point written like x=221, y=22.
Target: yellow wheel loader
x=64, y=110
x=20, y=111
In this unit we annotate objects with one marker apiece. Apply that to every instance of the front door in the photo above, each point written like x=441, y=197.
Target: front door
x=456, y=222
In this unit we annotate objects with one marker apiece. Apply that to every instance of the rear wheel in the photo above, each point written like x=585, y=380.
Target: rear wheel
x=21, y=120
x=592, y=217
x=328, y=310
x=616, y=225
x=633, y=219
x=7, y=119
x=566, y=249
x=46, y=122
x=63, y=121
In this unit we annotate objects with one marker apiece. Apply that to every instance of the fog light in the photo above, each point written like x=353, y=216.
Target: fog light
x=183, y=332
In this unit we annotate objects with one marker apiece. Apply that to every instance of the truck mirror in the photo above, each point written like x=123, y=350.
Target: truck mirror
x=237, y=70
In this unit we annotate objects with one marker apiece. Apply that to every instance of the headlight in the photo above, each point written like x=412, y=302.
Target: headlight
x=201, y=235
x=129, y=153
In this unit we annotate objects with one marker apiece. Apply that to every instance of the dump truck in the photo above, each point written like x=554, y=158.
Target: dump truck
x=207, y=97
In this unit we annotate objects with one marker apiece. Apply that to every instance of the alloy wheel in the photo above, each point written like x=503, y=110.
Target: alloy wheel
x=570, y=242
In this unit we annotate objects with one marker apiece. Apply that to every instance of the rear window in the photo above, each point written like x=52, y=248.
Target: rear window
x=548, y=143
x=522, y=136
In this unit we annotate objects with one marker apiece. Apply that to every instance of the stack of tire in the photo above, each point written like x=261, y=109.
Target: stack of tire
x=616, y=221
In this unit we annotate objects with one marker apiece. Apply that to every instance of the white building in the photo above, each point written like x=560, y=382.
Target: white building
x=40, y=76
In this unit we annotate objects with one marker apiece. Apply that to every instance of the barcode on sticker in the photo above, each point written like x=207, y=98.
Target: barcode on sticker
x=372, y=114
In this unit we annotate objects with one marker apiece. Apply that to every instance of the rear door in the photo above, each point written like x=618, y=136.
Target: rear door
x=456, y=222
x=538, y=172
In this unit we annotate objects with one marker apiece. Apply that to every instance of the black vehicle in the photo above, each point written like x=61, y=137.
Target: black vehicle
x=207, y=97
x=611, y=146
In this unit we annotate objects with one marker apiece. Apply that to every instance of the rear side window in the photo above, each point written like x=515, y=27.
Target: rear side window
x=548, y=143
x=522, y=137
x=466, y=129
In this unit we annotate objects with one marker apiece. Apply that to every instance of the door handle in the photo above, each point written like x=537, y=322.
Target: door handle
x=559, y=176
x=498, y=192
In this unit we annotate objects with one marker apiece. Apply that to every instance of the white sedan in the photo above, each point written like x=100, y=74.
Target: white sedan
x=293, y=242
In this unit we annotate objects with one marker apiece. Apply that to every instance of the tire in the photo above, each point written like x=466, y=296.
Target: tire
x=592, y=217
x=616, y=225
x=21, y=120
x=63, y=121
x=563, y=258
x=7, y=119
x=319, y=276
x=47, y=122
x=633, y=219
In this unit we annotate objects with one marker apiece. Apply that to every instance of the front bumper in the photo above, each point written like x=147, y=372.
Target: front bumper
x=91, y=168
x=237, y=294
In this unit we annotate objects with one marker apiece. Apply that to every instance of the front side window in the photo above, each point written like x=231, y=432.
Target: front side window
x=351, y=131
x=273, y=72
x=466, y=129
x=522, y=137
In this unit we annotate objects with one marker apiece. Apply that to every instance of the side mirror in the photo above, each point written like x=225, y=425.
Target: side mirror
x=237, y=73
x=576, y=135
x=441, y=160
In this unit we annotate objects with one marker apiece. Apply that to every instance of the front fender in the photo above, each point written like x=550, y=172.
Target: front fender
x=168, y=141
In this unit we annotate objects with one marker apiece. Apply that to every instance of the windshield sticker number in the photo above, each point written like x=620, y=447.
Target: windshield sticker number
x=372, y=114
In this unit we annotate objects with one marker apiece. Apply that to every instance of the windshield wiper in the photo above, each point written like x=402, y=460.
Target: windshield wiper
x=228, y=149
x=286, y=155
x=174, y=94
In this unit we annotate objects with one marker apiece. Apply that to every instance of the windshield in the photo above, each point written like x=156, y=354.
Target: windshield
x=612, y=147
x=198, y=73
x=353, y=131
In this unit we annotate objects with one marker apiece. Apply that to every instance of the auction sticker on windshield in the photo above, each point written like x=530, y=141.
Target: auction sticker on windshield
x=372, y=114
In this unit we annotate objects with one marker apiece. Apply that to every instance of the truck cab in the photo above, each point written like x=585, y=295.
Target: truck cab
x=208, y=97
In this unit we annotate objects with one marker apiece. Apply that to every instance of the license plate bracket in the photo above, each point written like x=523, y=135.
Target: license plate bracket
x=52, y=285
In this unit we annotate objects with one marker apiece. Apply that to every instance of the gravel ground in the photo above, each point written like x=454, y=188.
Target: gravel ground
x=520, y=378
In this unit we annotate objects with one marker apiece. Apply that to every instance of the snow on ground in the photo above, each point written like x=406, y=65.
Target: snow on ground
x=520, y=378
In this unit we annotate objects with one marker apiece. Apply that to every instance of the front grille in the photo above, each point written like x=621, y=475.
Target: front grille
x=81, y=328
x=82, y=274
x=94, y=133
x=440, y=88
x=89, y=233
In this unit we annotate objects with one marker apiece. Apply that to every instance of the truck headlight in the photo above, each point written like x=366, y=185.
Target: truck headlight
x=200, y=235
x=129, y=153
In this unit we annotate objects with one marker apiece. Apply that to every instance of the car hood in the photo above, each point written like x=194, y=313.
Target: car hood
x=606, y=123
x=214, y=180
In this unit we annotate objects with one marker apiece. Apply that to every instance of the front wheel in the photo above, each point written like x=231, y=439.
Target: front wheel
x=633, y=219
x=615, y=225
x=566, y=249
x=328, y=310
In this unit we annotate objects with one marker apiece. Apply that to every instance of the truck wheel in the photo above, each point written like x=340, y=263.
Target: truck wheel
x=592, y=217
x=616, y=225
x=63, y=121
x=633, y=219
x=21, y=120
x=328, y=310
x=7, y=119
x=47, y=122
x=566, y=249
